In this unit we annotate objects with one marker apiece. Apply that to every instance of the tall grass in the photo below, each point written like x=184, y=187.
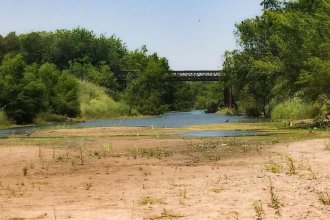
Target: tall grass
x=95, y=103
x=295, y=109
x=4, y=121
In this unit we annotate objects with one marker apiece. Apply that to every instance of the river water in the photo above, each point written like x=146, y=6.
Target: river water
x=171, y=119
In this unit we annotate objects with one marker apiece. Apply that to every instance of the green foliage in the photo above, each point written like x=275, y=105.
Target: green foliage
x=40, y=83
x=100, y=75
x=4, y=121
x=294, y=109
x=284, y=53
x=151, y=92
x=95, y=103
x=26, y=90
x=208, y=94
x=184, y=97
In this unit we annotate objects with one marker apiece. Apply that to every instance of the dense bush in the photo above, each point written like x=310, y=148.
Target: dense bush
x=4, y=121
x=295, y=109
x=95, y=103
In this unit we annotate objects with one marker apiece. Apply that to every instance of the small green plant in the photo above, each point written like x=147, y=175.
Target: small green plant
x=324, y=198
x=275, y=202
x=292, y=167
x=272, y=166
x=257, y=205
x=25, y=171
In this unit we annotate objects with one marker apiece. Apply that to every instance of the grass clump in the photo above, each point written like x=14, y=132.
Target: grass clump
x=151, y=201
x=95, y=103
x=291, y=166
x=273, y=167
x=156, y=152
x=324, y=198
x=257, y=205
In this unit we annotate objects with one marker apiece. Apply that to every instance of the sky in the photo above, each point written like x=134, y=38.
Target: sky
x=191, y=34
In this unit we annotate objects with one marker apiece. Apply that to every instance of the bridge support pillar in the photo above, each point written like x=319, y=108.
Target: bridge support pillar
x=229, y=98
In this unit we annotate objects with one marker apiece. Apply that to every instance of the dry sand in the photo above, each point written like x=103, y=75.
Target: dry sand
x=111, y=184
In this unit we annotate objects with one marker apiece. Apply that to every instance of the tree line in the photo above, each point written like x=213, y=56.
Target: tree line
x=40, y=73
x=283, y=64
x=281, y=69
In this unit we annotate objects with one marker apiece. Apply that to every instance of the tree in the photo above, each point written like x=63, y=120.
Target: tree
x=150, y=93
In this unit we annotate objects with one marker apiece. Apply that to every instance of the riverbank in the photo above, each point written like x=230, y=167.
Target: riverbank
x=151, y=173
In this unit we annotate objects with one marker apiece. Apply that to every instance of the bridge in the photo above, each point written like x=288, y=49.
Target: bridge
x=181, y=75
x=196, y=75
x=188, y=75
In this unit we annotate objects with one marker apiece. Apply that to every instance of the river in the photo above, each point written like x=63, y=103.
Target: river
x=171, y=119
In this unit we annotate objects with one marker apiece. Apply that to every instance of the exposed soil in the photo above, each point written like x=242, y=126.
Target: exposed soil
x=176, y=178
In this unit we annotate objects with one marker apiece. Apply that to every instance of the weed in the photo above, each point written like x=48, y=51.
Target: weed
x=88, y=186
x=150, y=152
x=134, y=152
x=108, y=148
x=257, y=205
x=275, y=140
x=151, y=201
x=217, y=190
x=313, y=175
x=81, y=154
x=166, y=214
x=275, y=202
x=291, y=166
x=60, y=158
x=324, y=198
x=273, y=167
x=25, y=171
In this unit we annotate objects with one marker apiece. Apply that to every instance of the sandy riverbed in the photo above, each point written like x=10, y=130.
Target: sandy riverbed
x=44, y=177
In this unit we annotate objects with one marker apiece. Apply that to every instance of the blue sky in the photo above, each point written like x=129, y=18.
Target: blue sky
x=192, y=34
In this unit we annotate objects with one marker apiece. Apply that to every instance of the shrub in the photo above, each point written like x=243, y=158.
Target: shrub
x=295, y=109
x=4, y=121
x=95, y=103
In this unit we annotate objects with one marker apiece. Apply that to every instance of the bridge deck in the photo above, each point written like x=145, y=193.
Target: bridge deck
x=196, y=75
x=185, y=75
